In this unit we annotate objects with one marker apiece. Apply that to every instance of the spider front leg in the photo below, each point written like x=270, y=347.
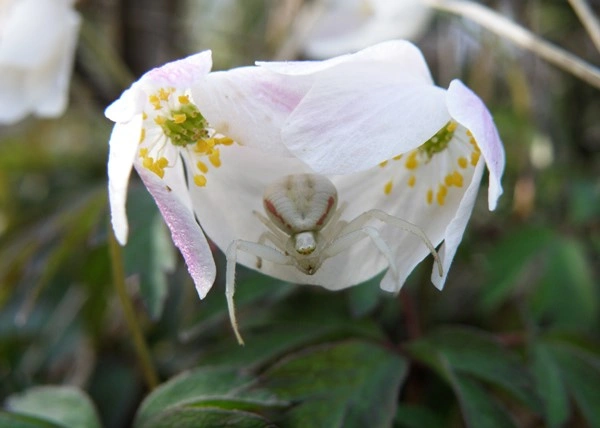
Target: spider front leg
x=348, y=239
x=399, y=223
x=261, y=251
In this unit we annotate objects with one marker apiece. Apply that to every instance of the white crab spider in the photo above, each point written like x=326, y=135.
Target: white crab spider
x=304, y=225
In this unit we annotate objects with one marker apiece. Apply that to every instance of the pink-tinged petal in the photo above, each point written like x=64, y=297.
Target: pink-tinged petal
x=456, y=228
x=182, y=73
x=185, y=231
x=399, y=52
x=360, y=114
x=123, y=146
x=468, y=109
x=249, y=105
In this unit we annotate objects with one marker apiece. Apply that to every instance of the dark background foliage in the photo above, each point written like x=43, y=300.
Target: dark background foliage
x=511, y=341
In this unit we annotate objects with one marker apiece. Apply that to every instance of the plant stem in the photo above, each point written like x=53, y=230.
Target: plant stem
x=141, y=348
x=589, y=21
x=522, y=37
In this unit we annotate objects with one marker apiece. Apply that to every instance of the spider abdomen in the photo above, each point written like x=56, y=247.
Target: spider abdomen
x=300, y=202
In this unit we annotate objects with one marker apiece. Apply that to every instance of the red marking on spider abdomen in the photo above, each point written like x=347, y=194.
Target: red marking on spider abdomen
x=271, y=209
x=330, y=203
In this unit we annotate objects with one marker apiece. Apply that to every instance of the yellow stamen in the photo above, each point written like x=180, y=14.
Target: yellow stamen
x=457, y=179
x=382, y=164
x=183, y=99
x=397, y=157
x=160, y=120
x=412, y=162
x=387, y=189
x=441, y=195
x=163, y=94
x=200, y=180
x=179, y=118
x=463, y=162
x=215, y=158
x=430, y=196
x=412, y=180
x=474, y=158
x=155, y=101
x=142, y=134
x=451, y=127
x=202, y=167
x=449, y=180
x=226, y=141
x=162, y=162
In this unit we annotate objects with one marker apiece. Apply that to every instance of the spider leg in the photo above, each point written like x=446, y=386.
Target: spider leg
x=262, y=239
x=397, y=222
x=346, y=240
x=335, y=224
x=259, y=250
x=274, y=235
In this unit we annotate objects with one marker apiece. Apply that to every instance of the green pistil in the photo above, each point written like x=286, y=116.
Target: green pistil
x=188, y=131
x=439, y=141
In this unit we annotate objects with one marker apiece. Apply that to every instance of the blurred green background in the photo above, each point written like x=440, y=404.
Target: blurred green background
x=511, y=341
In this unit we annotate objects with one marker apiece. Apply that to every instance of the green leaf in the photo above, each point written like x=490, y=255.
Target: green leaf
x=550, y=386
x=363, y=298
x=478, y=406
x=412, y=416
x=206, y=417
x=473, y=352
x=580, y=371
x=479, y=409
x=149, y=252
x=14, y=420
x=209, y=387
x=566, y=293
x=61, y=405
x=350, y=384
x=510, y=261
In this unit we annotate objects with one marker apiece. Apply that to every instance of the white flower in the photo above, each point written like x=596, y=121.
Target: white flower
x=349, y=25
x=175, y=144
x=37, y=47
x=402, y=145
x=373, y=123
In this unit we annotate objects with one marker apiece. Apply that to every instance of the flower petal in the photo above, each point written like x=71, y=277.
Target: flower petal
x=364, y=113
x=123, y=147
x=468, y=109
x=51, y=82
x=456, y=228
x=346, y=26
x=182, y=73
x=400, y=52
x=249, y=105
x=15, y=102
x=185, y=231
x=130, y=103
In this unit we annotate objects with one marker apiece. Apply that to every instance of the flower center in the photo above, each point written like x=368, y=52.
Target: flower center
x=457, y=150
x=173, y=128
x=439, y=141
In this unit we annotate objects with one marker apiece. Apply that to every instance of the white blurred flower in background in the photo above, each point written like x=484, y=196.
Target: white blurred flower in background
x=37, y=48
x=345, y=26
